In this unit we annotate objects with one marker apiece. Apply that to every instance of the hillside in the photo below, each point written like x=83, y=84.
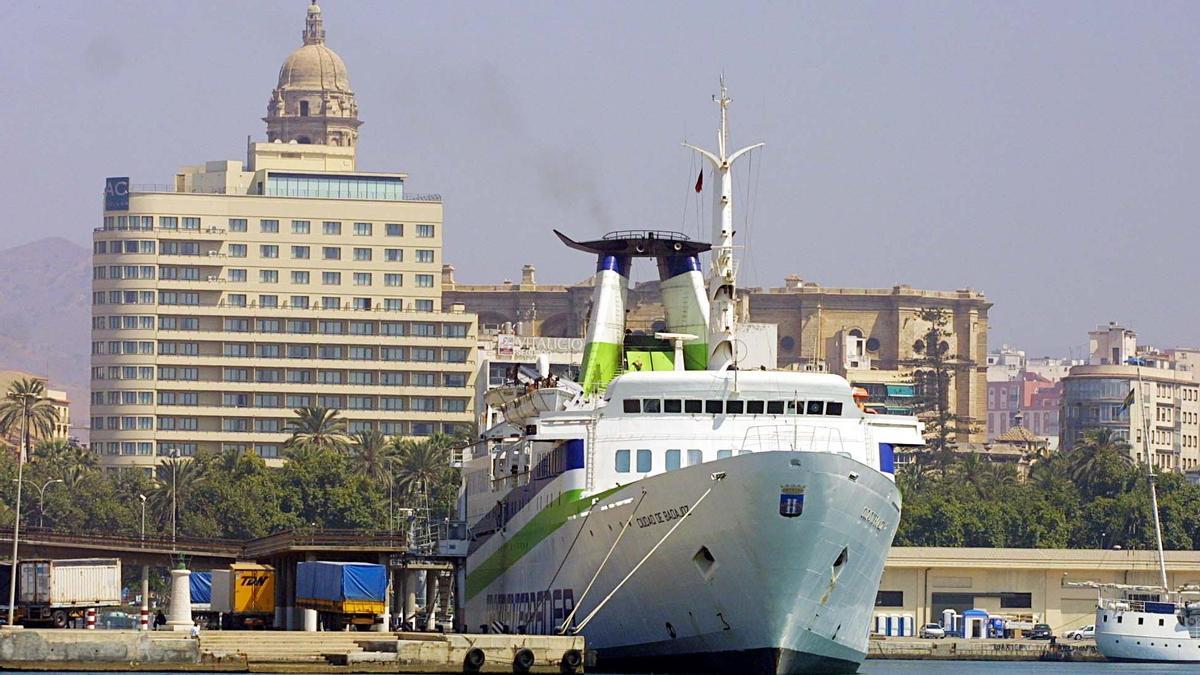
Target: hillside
x=45, y=316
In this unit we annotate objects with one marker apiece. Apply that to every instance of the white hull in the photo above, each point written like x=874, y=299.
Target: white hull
x=1128, y=635
x=773, y=599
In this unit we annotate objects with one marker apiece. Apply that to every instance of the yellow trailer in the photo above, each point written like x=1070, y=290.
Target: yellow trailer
x=244, y=595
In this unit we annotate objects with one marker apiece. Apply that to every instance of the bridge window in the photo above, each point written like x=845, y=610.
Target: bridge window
x=722, y=454
x=755, y=407
x=815, y=407
x=651, y=405
x=643, y=461
x=622, y=461
x=774, y=407
x=695, y=457
x=795, y=407
x=714, y=407
x=672, y=405
x=833, y=408
x=693, y=406
x=735, y=407
x=672, y=460
x=632, y=405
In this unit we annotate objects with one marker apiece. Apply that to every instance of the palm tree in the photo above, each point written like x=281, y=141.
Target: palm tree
x=373, y=456
x=174, y=480
x=1087, y=459
x=421, y=463
x=67, y=459
x=25, y=406
x=973, y=470
x=317, y=429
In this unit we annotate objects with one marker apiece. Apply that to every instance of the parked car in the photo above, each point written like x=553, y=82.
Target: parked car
x=1082, y=633
x=933, y=630
x=1041, y=631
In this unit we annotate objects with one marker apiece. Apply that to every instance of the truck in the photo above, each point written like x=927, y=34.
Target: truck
x=53, y=592
x=243, y=595
x=345, y=594
x=200, y=587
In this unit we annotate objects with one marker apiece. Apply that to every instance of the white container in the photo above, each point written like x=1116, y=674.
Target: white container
x=895, y=629
x=906, y=623
x=88, y=582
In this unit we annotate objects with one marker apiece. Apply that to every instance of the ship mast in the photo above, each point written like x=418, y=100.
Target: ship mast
x=1162, y=562
x=722, y=280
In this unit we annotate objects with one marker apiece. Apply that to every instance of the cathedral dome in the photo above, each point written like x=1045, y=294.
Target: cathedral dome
x=314, y=67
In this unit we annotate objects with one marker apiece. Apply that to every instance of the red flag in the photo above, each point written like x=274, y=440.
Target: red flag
x=700, y=180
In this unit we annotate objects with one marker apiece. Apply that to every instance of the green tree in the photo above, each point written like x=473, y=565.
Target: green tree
x=317, y=429
x=372, y=455
x=423, y=472
x=934, y=374
x=1099, y=463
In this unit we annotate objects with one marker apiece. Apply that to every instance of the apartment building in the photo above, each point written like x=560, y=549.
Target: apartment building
x=243, y=290
x=57, y=397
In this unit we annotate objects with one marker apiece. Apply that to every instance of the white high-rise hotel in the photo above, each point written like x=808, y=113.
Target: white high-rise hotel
x=238, y=292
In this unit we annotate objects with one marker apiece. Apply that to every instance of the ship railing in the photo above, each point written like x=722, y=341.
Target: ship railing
x=1145, y=606
x=793, y=438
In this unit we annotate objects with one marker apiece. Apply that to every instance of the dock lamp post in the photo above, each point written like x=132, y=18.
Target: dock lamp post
x=174, y=508
x=142, y=499
x=12, y=577
x=42, y=498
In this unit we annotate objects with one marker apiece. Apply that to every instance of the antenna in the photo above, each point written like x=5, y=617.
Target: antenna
x=722, y=282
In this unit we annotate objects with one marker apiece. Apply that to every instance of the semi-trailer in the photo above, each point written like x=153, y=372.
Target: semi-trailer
x=52, y=592
x=345, y=594
x=243, y=595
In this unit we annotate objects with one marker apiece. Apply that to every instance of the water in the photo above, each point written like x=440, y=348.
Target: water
x=963, y=668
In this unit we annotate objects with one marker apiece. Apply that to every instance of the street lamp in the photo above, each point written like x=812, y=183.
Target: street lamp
x=174, y=508
x=12, y=576
x=42, y=499
x=142, y=498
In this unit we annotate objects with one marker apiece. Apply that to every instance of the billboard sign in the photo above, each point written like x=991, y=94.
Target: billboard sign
x=116, y=193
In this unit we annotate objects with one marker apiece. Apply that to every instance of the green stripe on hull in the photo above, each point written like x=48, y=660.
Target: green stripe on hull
x=601, y=361
x=542, y=525
x=695, y=355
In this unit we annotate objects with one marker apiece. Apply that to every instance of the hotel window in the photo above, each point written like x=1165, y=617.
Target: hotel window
x=425, y=231
x=424, y=329
x=424, y=281
x=191, y=223
x=331, y=227
x=330, y=302
x=362, y=254
x=454, y=405
x=237, y=250
x=237, y=224
x=329, y=376
x=300, y=227
x=391, y=254
x=299, y=401
x=299, y=351
x=391, y=403
x=360, y=402
x=422, y=380
x=360, y=377
x=268, y=276
x=454, y=380
x=424, y=256
x=268, y=251
x=622, y=461
x=362, y=278
x=393, y=280
x=331, y=252
x=298, y=301
x=168, y=223
x=236, y=299
x=421, y=404
x=391, y=353
x=456, y=355
x=329, y=351
x=270, y=301
x=362, y=353
x=331, y=327
x=362, y=229
x=266, y=351
x=454, y=330
x=299, y=377
x=299, y=277
x=392, y=379
x=395, y=229
x=423, y=354
x=268, y=226
x=362, y=304
x=269, y=325
x=423, y=305
x=391, y=328
x=300, y=252
x=331, y=278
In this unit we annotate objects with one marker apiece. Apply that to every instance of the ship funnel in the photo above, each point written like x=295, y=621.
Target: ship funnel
x=685, y=302
x=606, y=330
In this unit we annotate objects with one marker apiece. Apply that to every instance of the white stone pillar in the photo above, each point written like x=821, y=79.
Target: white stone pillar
x=410, y=598
x=180, y=616
x=310, y=615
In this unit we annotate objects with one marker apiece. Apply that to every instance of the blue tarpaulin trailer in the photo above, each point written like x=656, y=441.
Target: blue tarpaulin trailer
x=342, y=587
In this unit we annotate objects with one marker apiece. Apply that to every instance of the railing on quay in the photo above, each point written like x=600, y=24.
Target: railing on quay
x=37, y=535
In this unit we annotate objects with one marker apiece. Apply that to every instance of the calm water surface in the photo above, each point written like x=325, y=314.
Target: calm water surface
x=974, y=668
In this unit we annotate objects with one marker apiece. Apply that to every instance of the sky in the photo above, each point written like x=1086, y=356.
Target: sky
x=1042, y=153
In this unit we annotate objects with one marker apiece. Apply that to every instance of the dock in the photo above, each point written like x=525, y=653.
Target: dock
x=34, y=650
x=951, y=649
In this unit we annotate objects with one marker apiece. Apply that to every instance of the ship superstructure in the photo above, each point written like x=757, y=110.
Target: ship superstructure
x=680, y=513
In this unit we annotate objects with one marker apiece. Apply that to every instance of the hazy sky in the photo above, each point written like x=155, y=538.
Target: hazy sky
x=1039, y=152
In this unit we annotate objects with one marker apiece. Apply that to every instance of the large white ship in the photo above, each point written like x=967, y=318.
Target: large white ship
x=1149, y=623
x=679, y=512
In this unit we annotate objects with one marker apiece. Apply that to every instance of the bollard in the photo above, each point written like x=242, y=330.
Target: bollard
x=144, y=621
x=91, y=618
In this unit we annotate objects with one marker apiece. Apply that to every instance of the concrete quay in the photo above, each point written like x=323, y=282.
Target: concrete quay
x=275, y=651
x=982, y=650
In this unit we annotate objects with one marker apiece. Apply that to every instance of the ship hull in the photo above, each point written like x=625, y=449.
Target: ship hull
x=1139, y=638
x=753, y=579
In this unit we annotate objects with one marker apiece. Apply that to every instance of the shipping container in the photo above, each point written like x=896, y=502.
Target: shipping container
x=56, y=591
x=244, y=595
x=342, y=587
